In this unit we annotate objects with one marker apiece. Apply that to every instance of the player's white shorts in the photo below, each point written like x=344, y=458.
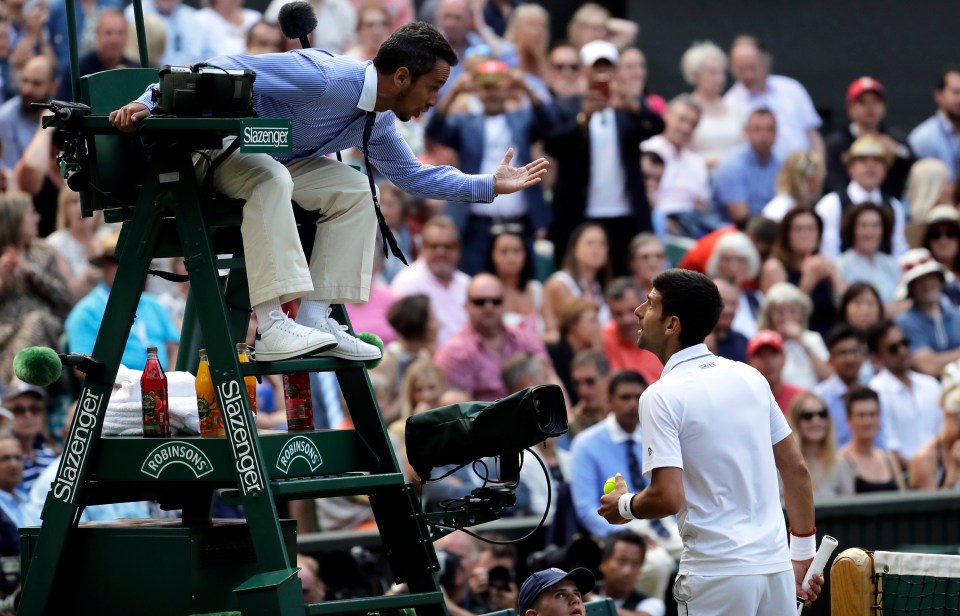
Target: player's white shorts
x=773, y=594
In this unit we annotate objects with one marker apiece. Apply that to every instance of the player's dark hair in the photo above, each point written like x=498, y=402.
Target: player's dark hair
x=625, y=376
x=694, y=299
x=417, y=46
x=942, y=79
x=841, y=332
x=624, y=536
x=859, y=393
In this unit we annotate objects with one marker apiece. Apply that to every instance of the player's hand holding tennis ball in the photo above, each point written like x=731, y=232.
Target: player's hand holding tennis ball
x=613, y=488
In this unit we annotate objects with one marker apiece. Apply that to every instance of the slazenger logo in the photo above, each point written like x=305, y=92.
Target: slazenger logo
x=176, y=452
x=77, y=446
x=231, y=402
x=302, y=448
x=276, y=137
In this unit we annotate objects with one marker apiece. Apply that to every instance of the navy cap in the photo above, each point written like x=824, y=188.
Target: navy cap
x=542, y=580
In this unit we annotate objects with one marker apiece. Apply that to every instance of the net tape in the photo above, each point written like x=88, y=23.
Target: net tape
x=916, y=584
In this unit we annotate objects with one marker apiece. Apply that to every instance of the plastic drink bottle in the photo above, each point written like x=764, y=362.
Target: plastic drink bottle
x=299, y=402
x=211, y=419
x=156, y=410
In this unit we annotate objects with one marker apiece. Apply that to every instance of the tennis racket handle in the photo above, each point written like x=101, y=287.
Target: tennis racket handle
x=827, y=545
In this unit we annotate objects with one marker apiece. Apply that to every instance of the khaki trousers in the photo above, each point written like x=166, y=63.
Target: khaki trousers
x=341, y=265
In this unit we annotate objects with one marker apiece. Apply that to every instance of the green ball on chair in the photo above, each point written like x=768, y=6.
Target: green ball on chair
x=375, y=341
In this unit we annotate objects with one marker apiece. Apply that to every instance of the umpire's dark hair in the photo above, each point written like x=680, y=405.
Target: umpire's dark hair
x=841, y=332
x=877, y=333
x=694, y=299
x=625, y=376
x=416, y=46
x=859, y=393
x=624, y=536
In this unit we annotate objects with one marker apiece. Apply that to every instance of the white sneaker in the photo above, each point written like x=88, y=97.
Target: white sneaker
x=348, y=347
x=287, y=339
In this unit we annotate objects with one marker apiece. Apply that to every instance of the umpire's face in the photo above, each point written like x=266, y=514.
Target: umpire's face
x=418, y=95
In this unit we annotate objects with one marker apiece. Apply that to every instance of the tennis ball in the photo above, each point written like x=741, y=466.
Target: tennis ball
x=610, y=485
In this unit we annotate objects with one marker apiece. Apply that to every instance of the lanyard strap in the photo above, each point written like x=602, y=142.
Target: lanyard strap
x=385, y=233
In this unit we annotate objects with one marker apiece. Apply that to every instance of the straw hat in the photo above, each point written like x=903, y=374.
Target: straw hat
x=937, y=214
x=867, y=146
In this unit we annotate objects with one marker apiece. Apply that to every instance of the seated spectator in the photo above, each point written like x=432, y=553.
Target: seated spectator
x=264, y=37
x=651, y=166
x=28, y=404
x=373, y=27
x=848, y=350
x=621, y=566
x=867, y=108
x=765, y=354
x=909, y=401
x=528, y=29
x=930, y=183
x=585, y=272
x=936, y=464
x=704, y=66
x=861, y=307
x=563, y=73
x=874, y=469
x=735, y=260
x=34, y=298
x=867, y=163
x=554, y=592
x=724, y=340
x=813, y=428
x=579, y=331
x=684, y=187
x=786, y=310
x=866, y=229
x=19, y=120
x=797, y=259
x=632, y=72
x=480, y=139
x=416, y=328
x=648, y=257
x=592, y=22
x=153, y=327
x=797, y=119
x=493, y=579
x=936, y=137
x=314, y=590
x=939, y=232
x=423, y=385
x=107, y=54
x=435, y=275
x=798, y=184
x=472, y=359
x=15, y=513
x=620, y=334
x=932, y=324
x=155, y=35
x=745, y=180
x=589, y=374
x=509, y=260
x=186, y=41
x=75, y=240
x=59, y=36
x=225, y=24
x=393, y=206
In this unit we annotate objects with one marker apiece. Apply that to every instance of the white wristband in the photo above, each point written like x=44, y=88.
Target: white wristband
x=623, y=505
x=803, y=548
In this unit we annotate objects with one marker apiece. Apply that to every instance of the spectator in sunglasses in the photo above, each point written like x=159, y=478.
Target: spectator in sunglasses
x=473, y=357
x=940, y=234
x=814, y=431
x=909, y=401
x=28, y=404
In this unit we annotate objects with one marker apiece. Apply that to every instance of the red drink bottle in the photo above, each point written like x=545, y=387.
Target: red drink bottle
x=156, y=410
x=299, y=402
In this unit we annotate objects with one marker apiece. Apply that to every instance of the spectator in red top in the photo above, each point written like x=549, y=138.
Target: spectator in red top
x=472, y=359
x=620, y=333
x=765, y=353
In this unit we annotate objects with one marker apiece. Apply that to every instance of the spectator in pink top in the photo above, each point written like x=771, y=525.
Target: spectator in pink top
x=473, y=358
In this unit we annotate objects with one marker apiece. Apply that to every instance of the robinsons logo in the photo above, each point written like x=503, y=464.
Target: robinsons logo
x=176, y=452
x=299, y=448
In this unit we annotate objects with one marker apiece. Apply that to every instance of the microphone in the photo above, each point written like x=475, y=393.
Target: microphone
x=39, y=366
x=297, y=20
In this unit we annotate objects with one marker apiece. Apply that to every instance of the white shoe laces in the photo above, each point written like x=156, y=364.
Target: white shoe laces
x=288, y=325
x=334, y=322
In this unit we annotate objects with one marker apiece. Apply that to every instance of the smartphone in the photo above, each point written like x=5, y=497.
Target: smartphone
x=601, y=84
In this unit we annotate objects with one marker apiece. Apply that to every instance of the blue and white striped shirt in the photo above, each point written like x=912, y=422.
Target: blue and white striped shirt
x=322, y=95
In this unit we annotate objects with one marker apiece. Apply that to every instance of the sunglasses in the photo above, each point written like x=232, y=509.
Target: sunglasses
x=36, y=409
x=480, y=302
x=895, y=347
x=566, y=67
x=948, y=233
x=808, y=415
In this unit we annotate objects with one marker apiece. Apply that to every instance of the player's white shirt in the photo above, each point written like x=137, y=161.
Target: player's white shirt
x=718, y=421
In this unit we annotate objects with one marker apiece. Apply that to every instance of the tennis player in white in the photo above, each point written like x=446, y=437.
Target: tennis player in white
x=714, y=439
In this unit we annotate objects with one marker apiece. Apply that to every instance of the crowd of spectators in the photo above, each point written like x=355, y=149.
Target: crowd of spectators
x=837, y=255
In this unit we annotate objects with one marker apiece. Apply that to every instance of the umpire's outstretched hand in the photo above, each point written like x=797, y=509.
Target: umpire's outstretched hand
x=509, y=179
